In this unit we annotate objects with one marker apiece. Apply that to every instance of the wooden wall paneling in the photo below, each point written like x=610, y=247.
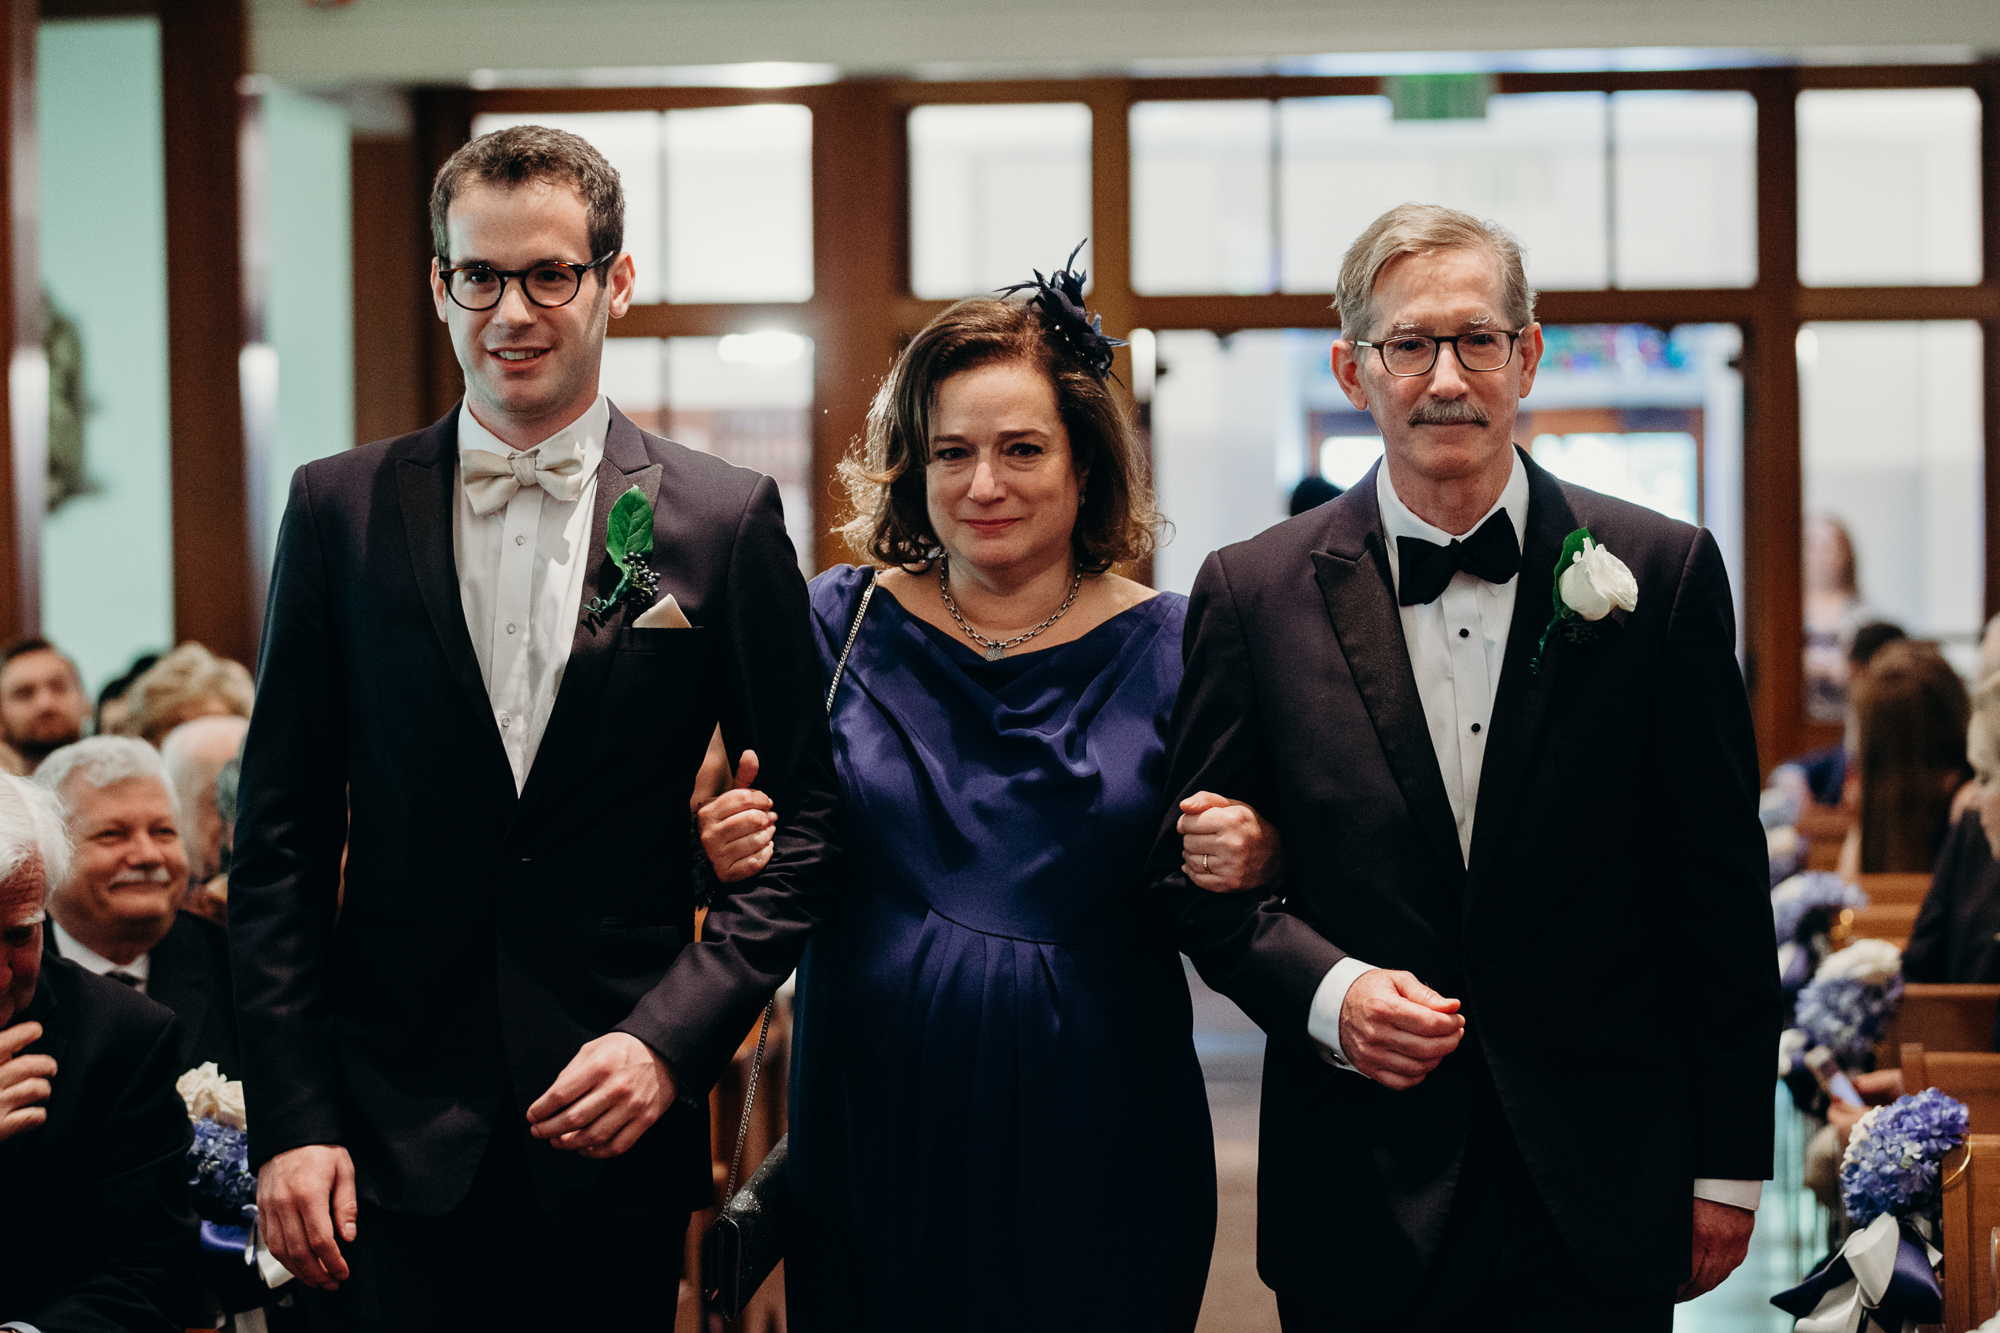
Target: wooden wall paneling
x=392, y=299
x=25, y=405
x=860, y=264
x=202, y=55
x=443, y=118
x=1772, y=481
x=1110, y=102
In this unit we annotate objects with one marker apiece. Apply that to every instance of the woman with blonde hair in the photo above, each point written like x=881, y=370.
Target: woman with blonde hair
x=998, y=1121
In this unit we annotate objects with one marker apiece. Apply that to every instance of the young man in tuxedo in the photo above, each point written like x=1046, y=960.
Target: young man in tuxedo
x=477, y=1049
x=1518, y=976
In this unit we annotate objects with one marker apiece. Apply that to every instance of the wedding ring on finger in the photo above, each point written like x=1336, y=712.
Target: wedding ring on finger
x=1204, y=863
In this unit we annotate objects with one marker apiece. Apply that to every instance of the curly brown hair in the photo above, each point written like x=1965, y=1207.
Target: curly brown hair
x=885, y=474
x=523, y=153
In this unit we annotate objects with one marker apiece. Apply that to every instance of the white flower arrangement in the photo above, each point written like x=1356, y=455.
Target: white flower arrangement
x=210, y=1096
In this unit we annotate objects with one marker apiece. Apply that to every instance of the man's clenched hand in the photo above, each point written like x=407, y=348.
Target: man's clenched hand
x=605, y=1098
x=1395, y=1029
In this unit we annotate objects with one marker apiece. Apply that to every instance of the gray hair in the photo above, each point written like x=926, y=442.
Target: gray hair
x=101, y=761
x=1982, y=738
x=1422, y=229
x=31, y=823
x=190, y=772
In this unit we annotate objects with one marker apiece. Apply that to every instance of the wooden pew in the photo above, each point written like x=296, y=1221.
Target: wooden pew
x=1892, y=923
x=1824, y=828
x=1889, y=890
x=1944, y=1018
x=1971, y=1216
x=1972, y=1077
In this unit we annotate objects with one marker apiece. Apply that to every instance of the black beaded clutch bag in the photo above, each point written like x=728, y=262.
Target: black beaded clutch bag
x=743, y=1245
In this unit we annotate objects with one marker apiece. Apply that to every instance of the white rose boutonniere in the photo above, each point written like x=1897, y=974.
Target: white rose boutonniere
x=211, y=1096
x=1590, y=583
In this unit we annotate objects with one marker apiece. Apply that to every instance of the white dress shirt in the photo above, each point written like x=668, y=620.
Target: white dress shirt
x=1456, y=645
x=520, y=579
x=90, y=960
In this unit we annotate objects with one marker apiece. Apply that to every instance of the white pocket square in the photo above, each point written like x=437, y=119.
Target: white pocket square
x=663, y=614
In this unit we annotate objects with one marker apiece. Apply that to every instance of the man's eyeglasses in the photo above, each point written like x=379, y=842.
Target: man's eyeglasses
x=1415, y=353
x=548, y=284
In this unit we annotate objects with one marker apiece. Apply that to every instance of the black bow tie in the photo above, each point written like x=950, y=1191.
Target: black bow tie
x=1492, y=552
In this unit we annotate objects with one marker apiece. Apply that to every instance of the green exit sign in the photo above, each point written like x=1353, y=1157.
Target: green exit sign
x=1438, y=96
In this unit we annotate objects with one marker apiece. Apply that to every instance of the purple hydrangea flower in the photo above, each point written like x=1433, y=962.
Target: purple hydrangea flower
x=221, y=1184
x=1895, y=1155
x=1846, y=1015
x=1813, y=891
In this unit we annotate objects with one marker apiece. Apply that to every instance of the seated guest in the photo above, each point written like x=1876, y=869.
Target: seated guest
x=42, y=703
x=195, y=754
x=1957, y=935
x=96, y=1232
x=117, y=912
x=111, y=699
x=1910, y=716
x=1821, y=775
x=1312, y=492
x=187, y=683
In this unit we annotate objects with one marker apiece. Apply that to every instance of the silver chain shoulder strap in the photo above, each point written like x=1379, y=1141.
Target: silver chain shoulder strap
x=764, y=1030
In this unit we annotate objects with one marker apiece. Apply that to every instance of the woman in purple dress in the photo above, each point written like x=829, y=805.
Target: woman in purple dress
x=997, y=1120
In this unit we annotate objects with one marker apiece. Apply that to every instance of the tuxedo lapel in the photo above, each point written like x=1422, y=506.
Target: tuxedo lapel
x=625, y=465
x=424, y=486
x=1355, y=583
x=1520, y=705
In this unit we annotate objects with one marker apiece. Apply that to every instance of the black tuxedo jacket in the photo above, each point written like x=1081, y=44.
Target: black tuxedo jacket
x=1610, y=940
x=96, y=1231
x=189, y=974
x=480, y=938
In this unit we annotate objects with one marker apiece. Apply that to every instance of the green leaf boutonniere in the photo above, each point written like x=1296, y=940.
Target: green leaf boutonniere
x=1589, y=582
x=628, y=540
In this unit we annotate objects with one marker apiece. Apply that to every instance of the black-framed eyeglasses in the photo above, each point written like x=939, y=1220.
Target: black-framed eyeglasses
x=1415, y=353
x=549, y=284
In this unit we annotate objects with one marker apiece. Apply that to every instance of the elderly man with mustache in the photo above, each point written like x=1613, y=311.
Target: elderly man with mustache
x=118, y=911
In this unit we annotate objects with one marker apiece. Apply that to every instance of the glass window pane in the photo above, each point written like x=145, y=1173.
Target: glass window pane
x=1236, y=422
x=1891, y=427
x=739, y=204
x=746, y=397
x=1535, y=165
x=995, y=192
x=1201, y=197
x=1889, y=187
x=1686, y=191
x=630, y=141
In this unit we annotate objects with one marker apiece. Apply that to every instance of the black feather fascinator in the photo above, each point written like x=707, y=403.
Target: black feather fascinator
x=1059, y=298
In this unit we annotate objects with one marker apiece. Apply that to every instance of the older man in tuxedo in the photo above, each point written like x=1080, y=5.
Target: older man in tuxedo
x=96, y=1234
x=1518, y=978
x=477, y=1050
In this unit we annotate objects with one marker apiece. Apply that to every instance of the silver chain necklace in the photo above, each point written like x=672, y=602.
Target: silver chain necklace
x=997, y=648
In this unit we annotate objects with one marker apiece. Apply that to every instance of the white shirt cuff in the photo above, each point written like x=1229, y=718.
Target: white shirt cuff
x=1323, y=1019
x=16, y=1326
x=1744, y=1194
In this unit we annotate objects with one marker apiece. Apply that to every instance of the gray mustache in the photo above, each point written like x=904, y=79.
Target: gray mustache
x=1457, y=413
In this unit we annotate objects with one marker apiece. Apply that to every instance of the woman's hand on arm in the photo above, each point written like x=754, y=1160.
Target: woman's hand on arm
x=737, y=827
x=1226, y=846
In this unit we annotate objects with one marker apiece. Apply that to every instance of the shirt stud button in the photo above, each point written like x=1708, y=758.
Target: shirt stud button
x=1475, y=728
x=518, y=539
x=510, y=629
x=1465, y=634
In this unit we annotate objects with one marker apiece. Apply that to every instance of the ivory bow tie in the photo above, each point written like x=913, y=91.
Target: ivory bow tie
x=491, y=479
